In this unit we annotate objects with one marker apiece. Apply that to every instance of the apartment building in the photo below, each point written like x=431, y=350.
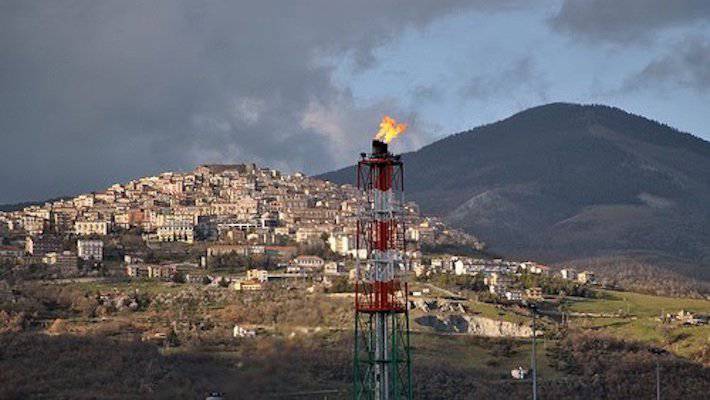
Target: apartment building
x=90, y=249
x=41, y=245
x=87, y=228
x=176, y=231
x=309, y=262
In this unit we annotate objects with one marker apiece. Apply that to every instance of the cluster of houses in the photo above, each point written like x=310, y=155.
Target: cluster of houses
x=298, y=268
x=503, y=285
x=499, y=275
x=684, y=317
x=241, y=332
x=583, y=277
x=259, y=209
x=52, y=250
x=460, y=265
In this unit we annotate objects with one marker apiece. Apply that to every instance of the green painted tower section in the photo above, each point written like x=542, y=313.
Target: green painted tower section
x=397, y=361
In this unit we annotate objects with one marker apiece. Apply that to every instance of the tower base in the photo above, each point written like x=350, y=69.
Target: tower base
x=382, y=364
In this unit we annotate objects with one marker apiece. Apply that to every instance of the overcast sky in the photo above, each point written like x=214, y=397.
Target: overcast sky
x=98, y=92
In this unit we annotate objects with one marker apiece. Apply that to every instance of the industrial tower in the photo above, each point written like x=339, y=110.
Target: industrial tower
x=382, y=365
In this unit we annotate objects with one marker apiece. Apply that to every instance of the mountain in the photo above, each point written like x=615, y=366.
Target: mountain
x=568, y=182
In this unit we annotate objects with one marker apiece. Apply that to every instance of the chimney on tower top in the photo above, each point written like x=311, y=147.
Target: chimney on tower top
x=379, y=149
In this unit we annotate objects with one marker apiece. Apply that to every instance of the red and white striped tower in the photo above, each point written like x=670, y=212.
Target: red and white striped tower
x=382, y=361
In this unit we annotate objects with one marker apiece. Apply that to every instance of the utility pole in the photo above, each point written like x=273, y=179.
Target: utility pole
x=533, y=308
x=658, y=380
x=656, y=355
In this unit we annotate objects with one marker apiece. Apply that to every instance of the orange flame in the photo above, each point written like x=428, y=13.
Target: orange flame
x=389, y=129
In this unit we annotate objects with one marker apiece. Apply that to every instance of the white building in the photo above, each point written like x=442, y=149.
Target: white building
x=137, y=270
x=333, y=268
x=533, y=267
x=90, y=249
x=459, y=267
x=339, y=244
x=309, y=262
x=84, y=201
x=238, y=331
x=260, y=275
x=177, y=231
x=514, y=295
x=358, y=253
x=307, y=234
x=518, y=373
x=86, y=228
x=420, y=270
x=568, y=273
x=585, y=277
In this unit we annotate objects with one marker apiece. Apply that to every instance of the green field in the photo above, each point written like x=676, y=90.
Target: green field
x=641, y=305
x=491, y=311
x=638, y=320
x=492, y=358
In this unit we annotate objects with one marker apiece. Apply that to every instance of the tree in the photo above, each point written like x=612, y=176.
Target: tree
x=172, y=340
x=178, y=277
x=341, y=284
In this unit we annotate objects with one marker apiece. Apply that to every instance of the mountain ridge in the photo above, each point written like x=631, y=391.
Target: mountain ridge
x=564, y=181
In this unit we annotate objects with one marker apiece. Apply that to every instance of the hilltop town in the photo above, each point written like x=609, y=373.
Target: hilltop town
x=242, y=210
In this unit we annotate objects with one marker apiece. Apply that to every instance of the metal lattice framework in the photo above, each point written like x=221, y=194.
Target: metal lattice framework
x=382, y=363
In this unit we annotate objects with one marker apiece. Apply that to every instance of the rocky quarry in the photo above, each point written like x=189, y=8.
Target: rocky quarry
x=447, y=316
x=474, y=325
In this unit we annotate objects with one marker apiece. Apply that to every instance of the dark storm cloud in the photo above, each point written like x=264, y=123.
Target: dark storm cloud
x=628, y=20
x=96, y=92
x=687, y=65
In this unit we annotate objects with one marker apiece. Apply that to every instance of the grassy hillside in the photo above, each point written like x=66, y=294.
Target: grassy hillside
x=640, y=321
x=641, y=305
